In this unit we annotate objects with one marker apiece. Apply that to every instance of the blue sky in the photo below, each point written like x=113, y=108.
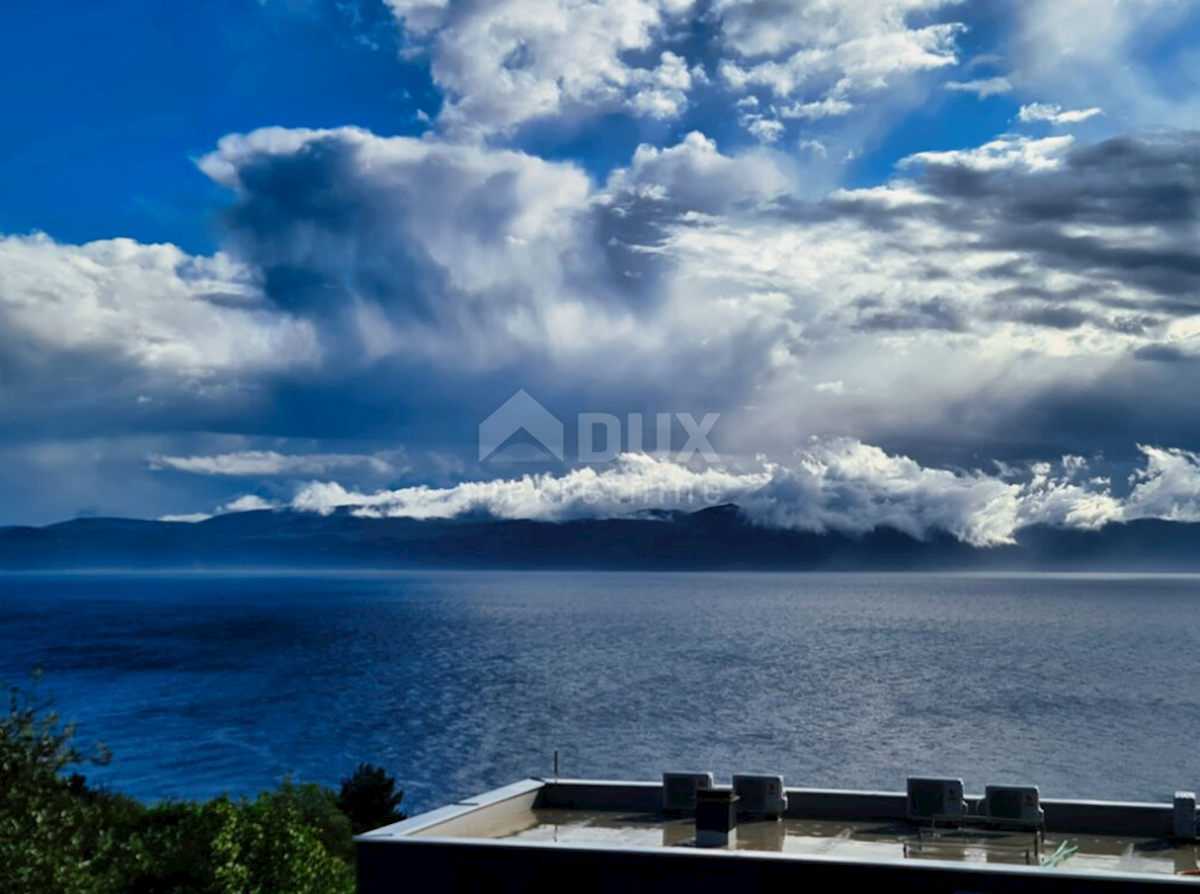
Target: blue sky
x=291, y=254
x=115, y=100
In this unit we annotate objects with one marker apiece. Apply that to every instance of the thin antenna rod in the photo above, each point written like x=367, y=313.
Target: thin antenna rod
x=556, y=765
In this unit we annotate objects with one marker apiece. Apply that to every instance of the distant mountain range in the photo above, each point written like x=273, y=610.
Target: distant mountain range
x=711, y=539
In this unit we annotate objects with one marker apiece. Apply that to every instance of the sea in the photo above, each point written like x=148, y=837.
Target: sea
x=202, y=684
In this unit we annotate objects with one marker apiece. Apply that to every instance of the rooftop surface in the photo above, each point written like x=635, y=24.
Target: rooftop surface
x=601, y=832
x=854, y=840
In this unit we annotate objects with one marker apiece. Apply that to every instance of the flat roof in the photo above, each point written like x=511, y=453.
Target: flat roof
x=853, y=840
x=1115, y=840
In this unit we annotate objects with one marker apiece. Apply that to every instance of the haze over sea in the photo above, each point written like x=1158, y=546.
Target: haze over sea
x=457, y=682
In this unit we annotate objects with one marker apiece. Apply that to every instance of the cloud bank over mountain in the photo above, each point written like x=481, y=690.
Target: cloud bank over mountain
x=840, y=485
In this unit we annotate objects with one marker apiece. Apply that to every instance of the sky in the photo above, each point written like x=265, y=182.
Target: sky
x=929, y=263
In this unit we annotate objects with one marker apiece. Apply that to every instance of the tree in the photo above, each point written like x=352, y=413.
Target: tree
x=60, y=835
x=370, y=799
x=319, y=811
x=56, y=834
x=227, y=846
x=33, y=739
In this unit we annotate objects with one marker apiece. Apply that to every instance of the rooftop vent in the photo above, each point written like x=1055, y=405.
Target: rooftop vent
x=1017, y=803
x=679, y=791
x=716, y=817
x=930, y=799
x=1185, y=814
x=761, y=796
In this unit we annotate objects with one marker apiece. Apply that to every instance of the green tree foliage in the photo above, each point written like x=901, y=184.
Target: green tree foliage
x=245, y=846
x=60, y=835
x=318, y=810
x=50, y=840
x=370, y=799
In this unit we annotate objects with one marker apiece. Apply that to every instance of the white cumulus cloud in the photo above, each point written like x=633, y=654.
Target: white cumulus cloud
x=507, y=62
x=825, y=58
x=1004, y=153
x=1055, y=114
x=150, y=307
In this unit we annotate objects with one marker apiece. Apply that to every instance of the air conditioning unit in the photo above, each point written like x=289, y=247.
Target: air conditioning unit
x=760, y=796
x=679, y=790
x=1185, y=815
x=1010, y=802
x=935, y=798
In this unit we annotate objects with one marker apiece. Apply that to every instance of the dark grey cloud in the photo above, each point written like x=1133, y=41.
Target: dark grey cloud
x=1080, y=215
x=934, y=313
x=1053, y=317
x=1160, y=353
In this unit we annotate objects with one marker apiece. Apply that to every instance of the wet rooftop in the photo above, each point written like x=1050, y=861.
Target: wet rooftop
x=856, y=840
x=1115, y=843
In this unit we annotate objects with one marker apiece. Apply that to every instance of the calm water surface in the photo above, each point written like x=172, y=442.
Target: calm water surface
x=456, y=683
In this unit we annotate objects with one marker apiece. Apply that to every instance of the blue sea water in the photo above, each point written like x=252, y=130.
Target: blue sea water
x=458, y=682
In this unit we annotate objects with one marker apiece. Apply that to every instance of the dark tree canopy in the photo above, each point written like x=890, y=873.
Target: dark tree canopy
x=369, y=797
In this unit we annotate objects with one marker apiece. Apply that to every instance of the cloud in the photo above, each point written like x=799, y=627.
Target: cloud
x=1168, y=487
x=435, y=250
x=1001, y=154
x=981, y=87
x=829, y=107
x=837, y=485
x=1003, y=300
x=1047, y=264
x=841, y=485
x=827, y=58
x=1122, y=56
x=956, y=303
x=1017, y=299
x=504, y=63
x=765, y=130
x=153, y=306
x=1122, y=206
x=816, y=147
x=247, y=503
x=445, y=262
x=695, y=176
x=662, y=93
x=117, y=334
x=1055, y=114
x=508, y=63
x=269, y=463
x=421, y=16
